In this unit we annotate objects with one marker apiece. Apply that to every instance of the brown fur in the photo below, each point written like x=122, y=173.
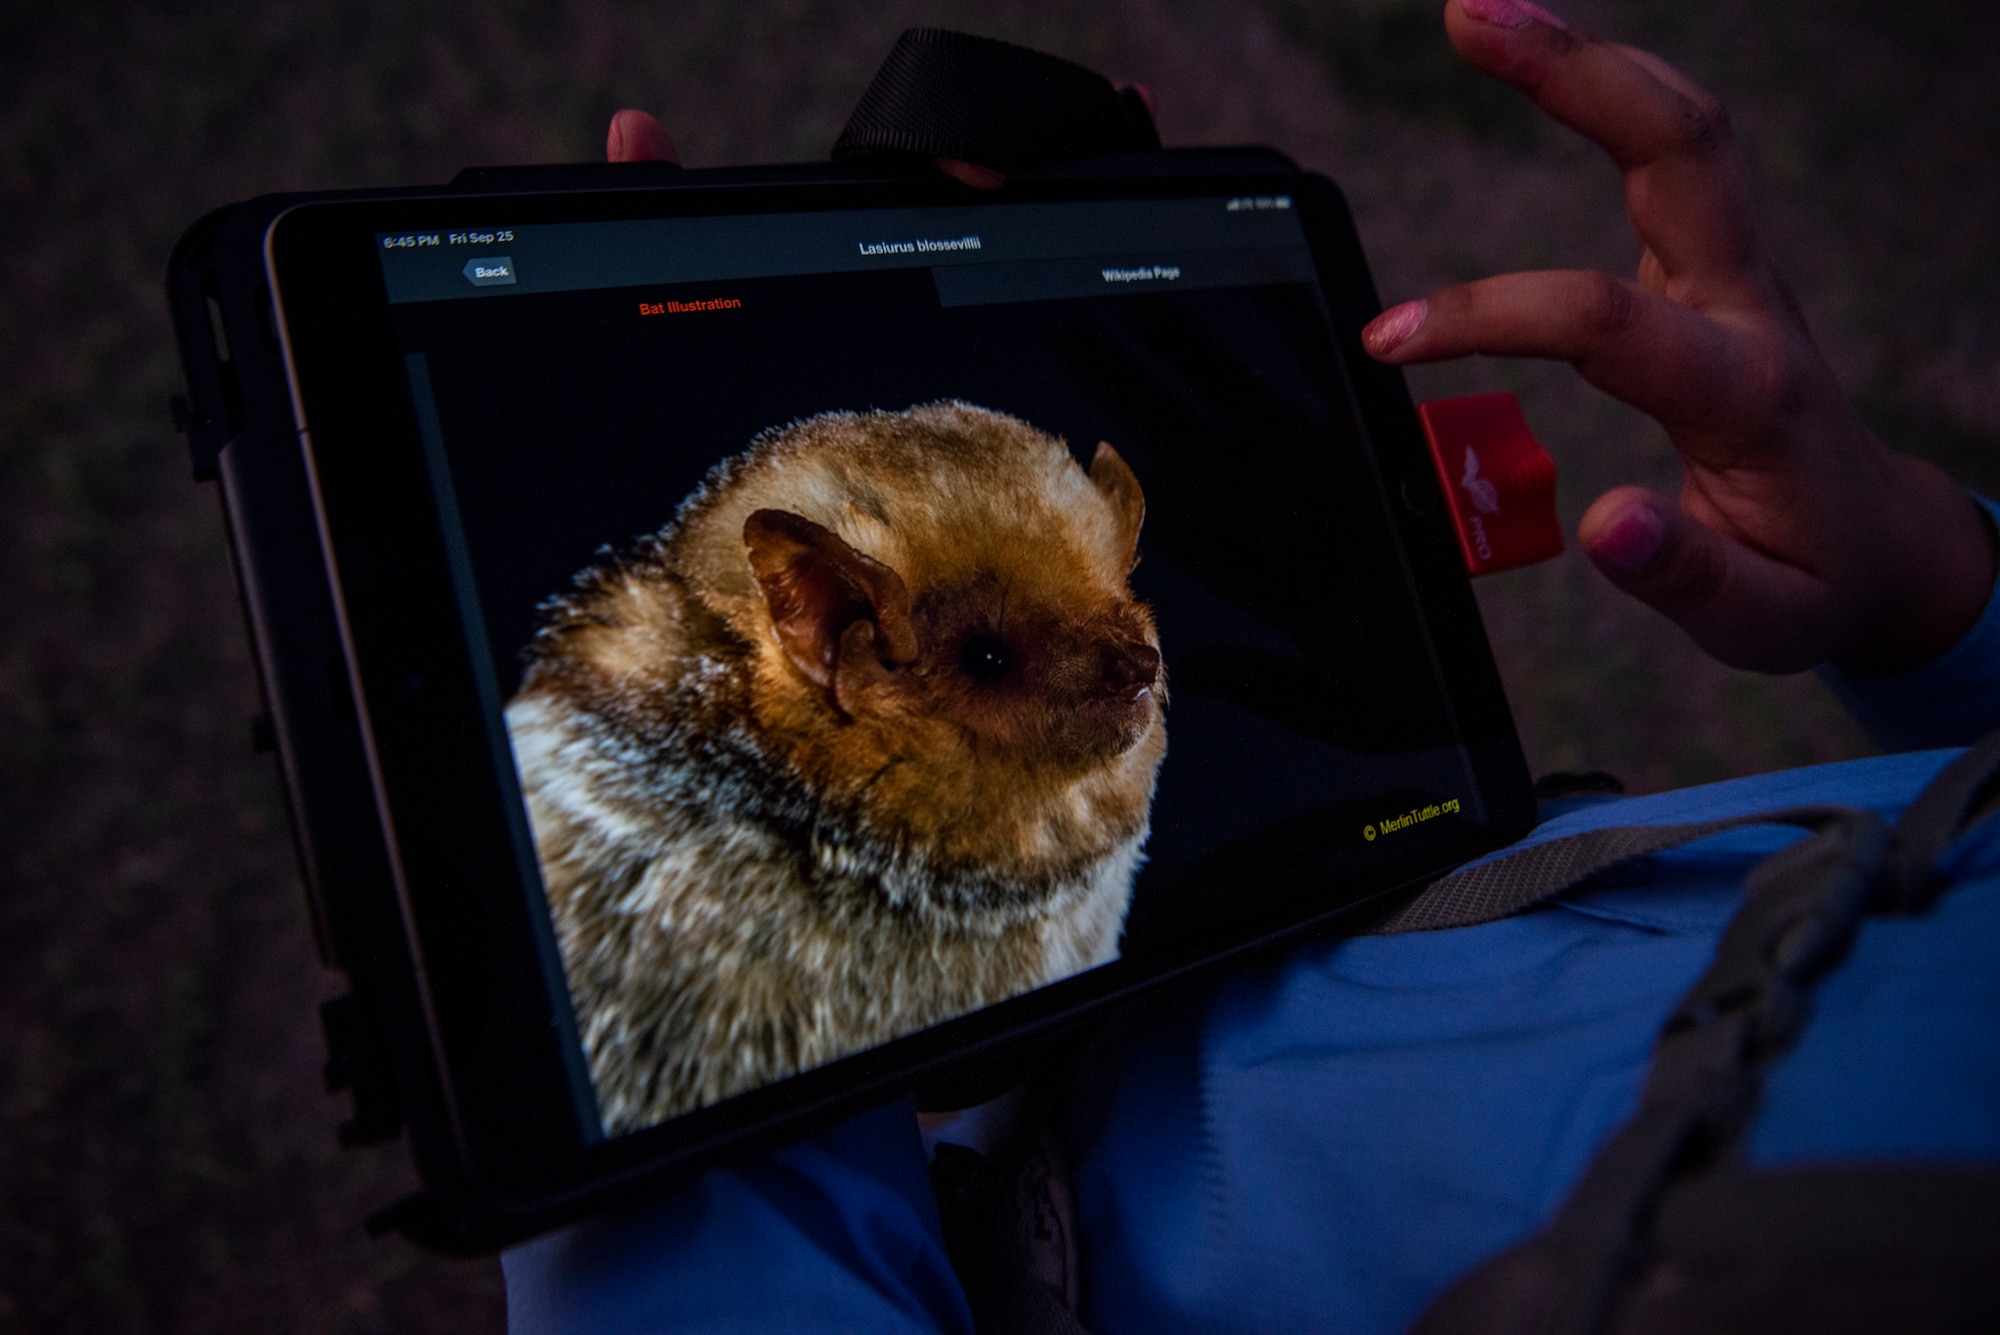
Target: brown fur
x=866, y=738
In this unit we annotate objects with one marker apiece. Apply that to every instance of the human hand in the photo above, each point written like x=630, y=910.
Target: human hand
x=1797, y=537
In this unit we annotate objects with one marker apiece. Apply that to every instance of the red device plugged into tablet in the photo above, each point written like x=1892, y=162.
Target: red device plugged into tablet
x=1498, y=480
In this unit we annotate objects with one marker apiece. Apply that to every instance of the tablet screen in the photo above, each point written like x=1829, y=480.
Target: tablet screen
x=896, y=611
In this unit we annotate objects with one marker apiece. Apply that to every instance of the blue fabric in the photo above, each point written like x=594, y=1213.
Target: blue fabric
x=1901, y=1059
x=1949, y=701
x=838, y=1233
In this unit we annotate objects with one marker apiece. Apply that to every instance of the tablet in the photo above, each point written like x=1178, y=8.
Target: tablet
x=802, y=638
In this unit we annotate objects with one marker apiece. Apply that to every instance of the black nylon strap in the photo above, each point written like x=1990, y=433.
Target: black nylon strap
x=1825, y=1249
x=1012, y=1246
x=952, y=95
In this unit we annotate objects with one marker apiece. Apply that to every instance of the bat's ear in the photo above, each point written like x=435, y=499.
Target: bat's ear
x=821, y=593
x=1115, y=480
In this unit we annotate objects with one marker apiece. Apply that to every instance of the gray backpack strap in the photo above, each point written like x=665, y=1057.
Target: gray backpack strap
x=1581, y=1274
x=1963, y=795
x=1506, y=885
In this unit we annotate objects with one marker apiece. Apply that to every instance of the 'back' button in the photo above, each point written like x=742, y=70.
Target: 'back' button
x=495, y=272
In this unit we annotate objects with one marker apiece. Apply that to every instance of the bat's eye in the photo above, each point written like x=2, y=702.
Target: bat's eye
x=984, y=659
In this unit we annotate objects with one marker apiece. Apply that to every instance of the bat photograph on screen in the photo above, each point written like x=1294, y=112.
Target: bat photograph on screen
x=862, y=741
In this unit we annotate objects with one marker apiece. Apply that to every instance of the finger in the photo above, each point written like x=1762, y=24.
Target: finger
x=1668, y=361
x=636, y=136
x=1145, y=95
x=972, y=174
x=1664, y=72
x=1741, y=606
x=1684, y=185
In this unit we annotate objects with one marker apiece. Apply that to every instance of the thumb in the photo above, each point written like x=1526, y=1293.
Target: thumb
x=635, y=136
x=1741, y=606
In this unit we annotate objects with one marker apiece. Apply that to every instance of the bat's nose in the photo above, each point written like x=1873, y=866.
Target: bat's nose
x=1130, y=669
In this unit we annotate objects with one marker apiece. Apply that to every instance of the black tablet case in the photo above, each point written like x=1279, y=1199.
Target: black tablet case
x=241, y=434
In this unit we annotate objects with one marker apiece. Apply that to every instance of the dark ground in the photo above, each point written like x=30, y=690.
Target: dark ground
x=166, y=1157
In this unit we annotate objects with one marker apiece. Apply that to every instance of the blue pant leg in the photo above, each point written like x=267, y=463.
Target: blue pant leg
x=836, y=1233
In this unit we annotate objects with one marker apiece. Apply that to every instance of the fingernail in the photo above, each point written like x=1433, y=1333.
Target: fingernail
x=972, y=174
x=1145, y=95
x=1633, y=541
x=1510, y=13
x=1393, y=327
